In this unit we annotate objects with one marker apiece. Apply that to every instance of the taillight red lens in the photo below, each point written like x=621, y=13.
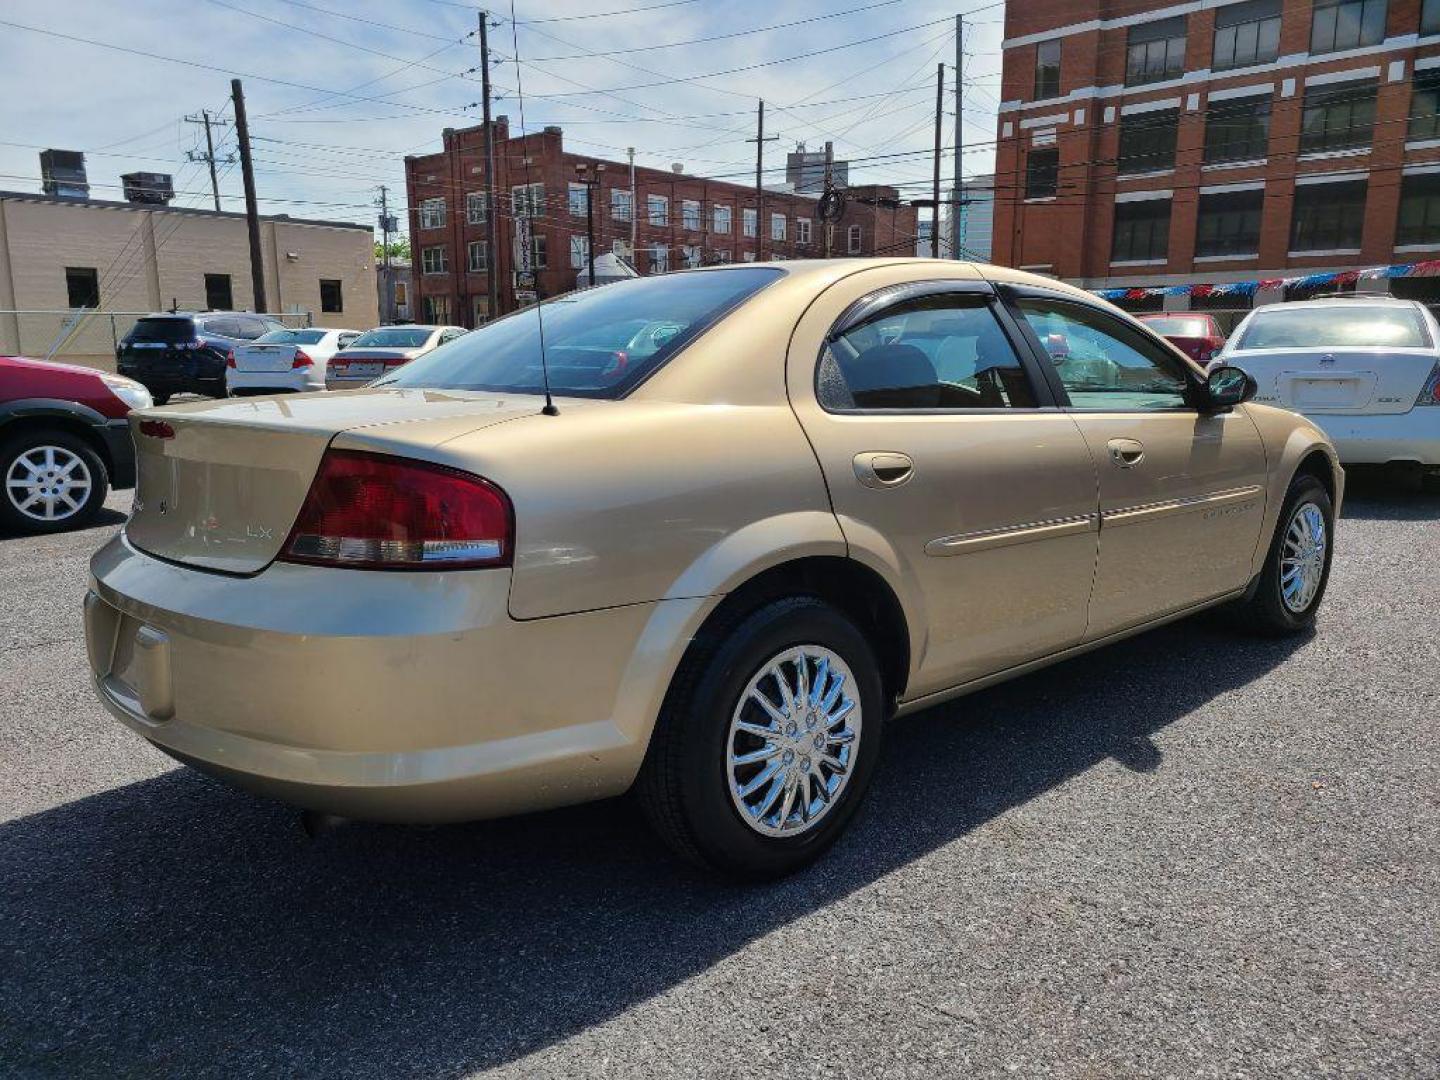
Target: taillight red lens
x=156, y=429
x=377, y=512
x=230, y=358
x=301, y=360
x=1430, y=392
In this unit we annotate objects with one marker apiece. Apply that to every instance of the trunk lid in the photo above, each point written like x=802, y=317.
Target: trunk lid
x=1371, y=381
x=265, y=357
x=223, y=490
x=369, y=363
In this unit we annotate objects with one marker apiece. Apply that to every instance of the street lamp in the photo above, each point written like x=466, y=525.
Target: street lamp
x=592, y=185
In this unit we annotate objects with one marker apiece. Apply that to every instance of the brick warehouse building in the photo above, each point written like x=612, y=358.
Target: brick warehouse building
x=1145, y=143
x=679, y=220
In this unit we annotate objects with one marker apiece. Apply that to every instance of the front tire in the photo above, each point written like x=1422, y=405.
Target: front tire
x=52, y=481
x=767, y=742
x=1297, y=568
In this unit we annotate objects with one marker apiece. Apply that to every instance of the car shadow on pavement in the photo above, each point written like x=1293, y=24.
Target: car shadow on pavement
x=1377, y=494
x=176, y=926
x=105, y=518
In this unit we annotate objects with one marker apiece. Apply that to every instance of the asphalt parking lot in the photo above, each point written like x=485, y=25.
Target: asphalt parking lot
x=1191, y=854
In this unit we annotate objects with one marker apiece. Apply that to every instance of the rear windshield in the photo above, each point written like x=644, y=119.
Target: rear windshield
x=391, y=339
x=291, y=337
x=1334, y=326
x=598, y=342
x=1179, y=327
x=170, y=331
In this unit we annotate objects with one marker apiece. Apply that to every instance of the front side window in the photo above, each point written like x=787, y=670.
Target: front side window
x=434, y=260
x=1237, y=130
x=1246, y=34
x=1047, y=69
x=777, y=226
x=1338, y=116
x=722, y=220
x=943, y=351
x=1425, y=105
x=621, y=204
x=690, y=214
x=1042, y=174
x=1142, y=231
x=475, y=208
x=748, y=222
x=1328, y=217
x=658, y=209
x=1155, y=51
x=1104, y=364
x=583, y=331
x=1228, y=223
x=1419, y=210
x=1346, y=24
x=479, y=254
x=1147, y=141
x=578, y=199
x=432, y=213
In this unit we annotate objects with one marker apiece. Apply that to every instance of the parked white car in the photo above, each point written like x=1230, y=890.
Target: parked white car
x=284, y=361
x=1366, y=371
x=382, y=350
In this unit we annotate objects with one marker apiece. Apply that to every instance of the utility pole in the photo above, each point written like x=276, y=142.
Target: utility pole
x=592, y=185
x=385, y=227
x=634, y=201
x=939, y=117
x=760, y=140
x=252, y=214
x=829, y=185
x=955, y=210
x=492, y=251
x=209, y=156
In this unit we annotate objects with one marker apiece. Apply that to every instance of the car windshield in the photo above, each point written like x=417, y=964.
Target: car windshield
x=1336, y=326
x=392, y=338
x=598, y=342
x=169, y=331
x=1179, y=327
x=291, y=337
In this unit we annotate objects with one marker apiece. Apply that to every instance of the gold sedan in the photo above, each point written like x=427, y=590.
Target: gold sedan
x=771, y=508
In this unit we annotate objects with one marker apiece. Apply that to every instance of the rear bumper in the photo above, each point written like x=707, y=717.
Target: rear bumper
x=1380, y=440
x=121, y=449
x=393, y=697
x=297, y=380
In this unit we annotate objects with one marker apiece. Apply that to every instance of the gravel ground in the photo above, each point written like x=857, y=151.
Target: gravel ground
x=1191, y=854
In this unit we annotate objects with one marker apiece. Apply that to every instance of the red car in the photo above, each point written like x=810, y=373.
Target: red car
x=64, y=442
x=1197, y=336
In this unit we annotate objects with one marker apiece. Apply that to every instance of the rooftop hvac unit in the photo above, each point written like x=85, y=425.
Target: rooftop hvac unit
x=62, y=173
x=148, y=187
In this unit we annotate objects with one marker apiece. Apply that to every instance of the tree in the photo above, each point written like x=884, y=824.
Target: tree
x=399, y=249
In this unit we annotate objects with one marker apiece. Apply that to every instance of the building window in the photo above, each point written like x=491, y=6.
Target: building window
x=748, y=222
x=432, y=213
x=749, y=256
x=1047, y=69
x=622, y=203
x=1142, y=230
x=528, y=200
x=690, y=255
x=1338, y=116
x=621, y=249
x=722, y=220
x=1430, y=17
x=1328, y=217
x=802, y=230
x=657, y=209
x=722, y=256
x=1346, y=24
x=479, y=310
x=1425, y=104
x=579, y=252
x=479, y=253
x=1246, y=34
x=539, y=256
x=475, y=208
x=1155, y=51
x=690, y=215
x=1419, y=210
x=218, y=296
x=1042, y=174
x=777, y=226
x=1229, y=223
x=332, y=295
x=437, y=310
x=1237, y=129
x=578, y=196
x=82, y=286
x=434, y=260
x=1147, y=141
x=853, y=240
x=659, y=258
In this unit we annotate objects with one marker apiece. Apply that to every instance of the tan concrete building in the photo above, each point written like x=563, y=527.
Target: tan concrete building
x=59, y=254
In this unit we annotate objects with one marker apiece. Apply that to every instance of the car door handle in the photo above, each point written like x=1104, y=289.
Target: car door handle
x=1126, y=453
x=883, y=468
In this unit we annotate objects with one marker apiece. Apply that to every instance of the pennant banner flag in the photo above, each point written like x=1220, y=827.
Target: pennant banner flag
x=1339, y=279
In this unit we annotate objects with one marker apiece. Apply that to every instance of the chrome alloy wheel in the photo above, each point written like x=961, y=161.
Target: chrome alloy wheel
x=48, y=483
x=792, y=740
x=1302, y=560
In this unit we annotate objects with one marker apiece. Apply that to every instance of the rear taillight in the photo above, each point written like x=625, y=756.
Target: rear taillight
x=156, y=429
x=301, y=360
x=230, y=358
x=377, y=512
x=395, y=361
x=1430, y=392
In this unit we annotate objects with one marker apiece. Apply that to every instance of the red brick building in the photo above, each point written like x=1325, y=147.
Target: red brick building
x=679, y=220
x=1145, y=143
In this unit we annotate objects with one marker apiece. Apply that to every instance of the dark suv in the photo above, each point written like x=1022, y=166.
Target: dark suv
x=184, y=352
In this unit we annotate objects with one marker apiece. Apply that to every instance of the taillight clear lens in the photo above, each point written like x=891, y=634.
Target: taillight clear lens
x=377, y=512
x=1430, y=392
x=301, y=360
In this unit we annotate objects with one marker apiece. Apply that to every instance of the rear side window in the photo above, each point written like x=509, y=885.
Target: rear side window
x=1336, y=326
x=943, y=351
x=222, y=327
x=170, y=331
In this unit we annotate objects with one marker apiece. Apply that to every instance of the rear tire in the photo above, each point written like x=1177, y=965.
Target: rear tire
x=753, y=791
x=1297, y=567
x=50, y=481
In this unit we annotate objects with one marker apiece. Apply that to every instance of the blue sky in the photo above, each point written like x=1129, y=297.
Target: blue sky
x=335, y=103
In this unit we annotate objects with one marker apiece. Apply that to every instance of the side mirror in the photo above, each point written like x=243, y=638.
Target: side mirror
x=1227, y=386
x=1057, y=346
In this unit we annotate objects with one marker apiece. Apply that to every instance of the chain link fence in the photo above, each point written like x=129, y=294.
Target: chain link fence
x=84, y=337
